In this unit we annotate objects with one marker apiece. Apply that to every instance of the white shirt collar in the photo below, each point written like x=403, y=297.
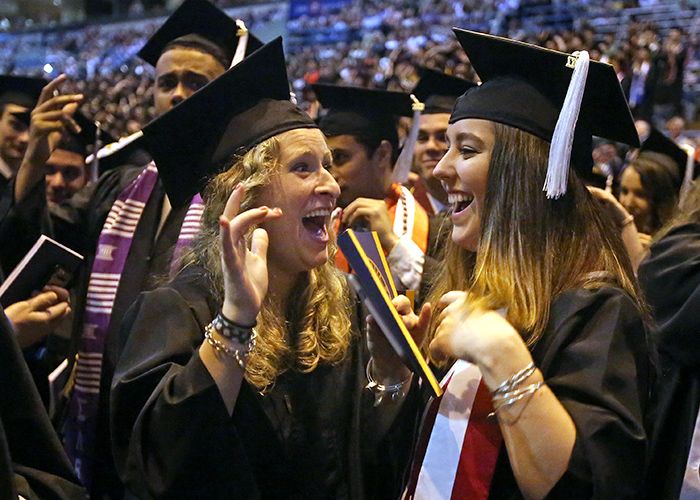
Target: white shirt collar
x=5, y=170
x=437, y=205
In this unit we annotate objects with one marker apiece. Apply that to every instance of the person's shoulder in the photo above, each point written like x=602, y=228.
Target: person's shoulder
x=112, y=182
x=585, y=303
x=602, y=293
x=682, y=234
x=675, y=256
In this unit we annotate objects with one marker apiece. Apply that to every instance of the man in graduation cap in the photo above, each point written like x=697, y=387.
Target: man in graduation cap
x=361, y=130
x=67, y=169
x=17, y=95
x=439, y=92
x=128, y=230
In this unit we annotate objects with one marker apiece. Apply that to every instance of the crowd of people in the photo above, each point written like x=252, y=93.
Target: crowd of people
x=525, y=328
x=378, y=44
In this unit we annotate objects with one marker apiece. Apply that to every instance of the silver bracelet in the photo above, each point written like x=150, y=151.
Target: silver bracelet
x=240, y=354
x=510, y=398
x=626, y=221
x=515, y=380
x=395, y=391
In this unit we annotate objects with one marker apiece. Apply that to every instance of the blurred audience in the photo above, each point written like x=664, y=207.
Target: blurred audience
x=376, y=44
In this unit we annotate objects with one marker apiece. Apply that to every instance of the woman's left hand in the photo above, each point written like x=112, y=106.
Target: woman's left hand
x=387, y=366
x=483, y=337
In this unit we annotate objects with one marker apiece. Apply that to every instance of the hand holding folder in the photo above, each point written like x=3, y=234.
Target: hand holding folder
x=373, y=280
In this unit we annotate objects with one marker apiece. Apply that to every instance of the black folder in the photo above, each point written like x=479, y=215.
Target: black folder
x=48, y=262
x=373, y=281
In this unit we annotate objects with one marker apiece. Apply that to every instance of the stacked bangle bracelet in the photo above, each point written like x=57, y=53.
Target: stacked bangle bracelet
x=510, y=391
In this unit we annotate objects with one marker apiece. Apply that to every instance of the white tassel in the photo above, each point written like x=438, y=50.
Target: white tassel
x=563, y=138
x=95, y=163
x=113, y=147
x=242, y=35
x=405, y=159
x=689, y=170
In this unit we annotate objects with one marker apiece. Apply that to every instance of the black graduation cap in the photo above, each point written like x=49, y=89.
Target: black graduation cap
x=525, y=86
x=88, y=132
x=200, y=23
x=246, y=105
x=20, y=90
x=125, y=151
x=659, y=143
x=439, y=91
x=360, y=111
x=81, y=142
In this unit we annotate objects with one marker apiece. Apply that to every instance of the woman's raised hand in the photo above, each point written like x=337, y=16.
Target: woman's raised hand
x=244, y=265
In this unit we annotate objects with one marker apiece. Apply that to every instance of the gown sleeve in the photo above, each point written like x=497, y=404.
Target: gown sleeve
x=594, y=358
x=670, y=278
x=76, y=222
x=32, y=461
x=171, y=433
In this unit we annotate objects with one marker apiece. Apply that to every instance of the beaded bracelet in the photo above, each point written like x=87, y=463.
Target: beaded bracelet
x=395, y=391
x=240, y=355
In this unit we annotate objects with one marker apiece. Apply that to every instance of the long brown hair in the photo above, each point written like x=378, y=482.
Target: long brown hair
x=532, y=248
x=661, y=181
x=316, y=327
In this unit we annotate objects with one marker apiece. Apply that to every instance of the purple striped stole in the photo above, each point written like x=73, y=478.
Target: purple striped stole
x=113, y=248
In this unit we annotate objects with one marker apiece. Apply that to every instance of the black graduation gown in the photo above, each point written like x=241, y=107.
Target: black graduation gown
x=32, y=461
x=313, y=435
x=77, y=223
x=593, y=356
x=670, y=277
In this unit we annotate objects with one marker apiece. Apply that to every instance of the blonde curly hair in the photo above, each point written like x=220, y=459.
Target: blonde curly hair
x=316, y=328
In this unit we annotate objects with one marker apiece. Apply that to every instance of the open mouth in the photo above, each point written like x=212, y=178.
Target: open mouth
x=316, y=223
x=459, y=202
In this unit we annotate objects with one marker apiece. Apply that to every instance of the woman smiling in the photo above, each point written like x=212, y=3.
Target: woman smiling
x=244, y=377
x=537, y=295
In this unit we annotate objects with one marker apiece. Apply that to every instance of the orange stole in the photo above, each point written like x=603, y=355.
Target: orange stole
x=420, y=225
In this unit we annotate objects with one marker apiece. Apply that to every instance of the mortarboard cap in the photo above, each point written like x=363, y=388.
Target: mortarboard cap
x=201, y=24
x=360, y=111
x=124, y=151
x=525, y=86
x=81, y=142
x=657, y=142
x=89, y=129
x=439, y=91
x=20, y=90
x=246, y=105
